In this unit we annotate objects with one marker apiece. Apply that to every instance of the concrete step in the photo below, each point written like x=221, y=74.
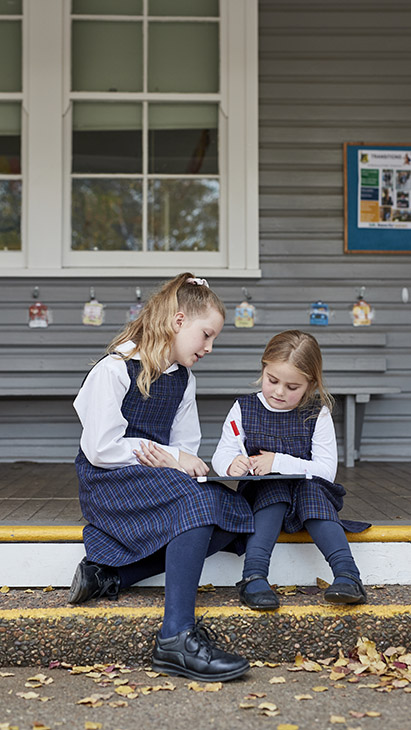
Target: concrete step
x=38, y=627
x=32, y=556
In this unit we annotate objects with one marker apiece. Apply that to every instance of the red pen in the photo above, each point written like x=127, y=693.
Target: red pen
x=240, y=442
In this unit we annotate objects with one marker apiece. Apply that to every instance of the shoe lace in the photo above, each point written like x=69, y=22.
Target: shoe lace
x=205, y=636
x=108, y=586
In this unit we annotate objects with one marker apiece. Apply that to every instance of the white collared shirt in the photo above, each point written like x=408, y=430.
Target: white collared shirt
x=324, y=459
x=98, y=406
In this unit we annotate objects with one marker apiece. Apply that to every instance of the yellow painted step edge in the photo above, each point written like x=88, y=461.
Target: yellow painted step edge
x=62, y=533
x=53, y=614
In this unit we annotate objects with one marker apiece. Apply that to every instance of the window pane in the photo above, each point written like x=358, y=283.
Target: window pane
x=10, y=206
x=106, y=56
x=107, y=138
x=183, y=215
x=10, y=7
x=205, y=8
x=107, y=7
x=183, y=138
x=10, y=126
x=10, y=55
x=106, y=215
x=183, y=57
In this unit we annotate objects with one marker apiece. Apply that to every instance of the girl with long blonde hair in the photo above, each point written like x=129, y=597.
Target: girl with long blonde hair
x=137, y=468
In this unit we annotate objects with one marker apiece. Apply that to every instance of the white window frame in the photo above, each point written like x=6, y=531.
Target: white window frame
x=15, y=258
x=46, y=156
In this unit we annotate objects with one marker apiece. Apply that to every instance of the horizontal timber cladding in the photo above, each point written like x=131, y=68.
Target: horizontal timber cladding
x=329, y=73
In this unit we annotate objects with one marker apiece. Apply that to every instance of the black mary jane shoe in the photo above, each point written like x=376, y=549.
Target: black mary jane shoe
x=346, y=592
x=192, y=654
x=92, y=580
x=260, y=601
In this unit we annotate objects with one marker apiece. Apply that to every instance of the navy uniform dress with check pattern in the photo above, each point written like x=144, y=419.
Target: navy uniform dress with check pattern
x=289, y=432
x=134, y=511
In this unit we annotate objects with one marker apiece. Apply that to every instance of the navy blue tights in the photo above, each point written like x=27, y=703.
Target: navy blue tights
x=182, y=560
x=328, y=536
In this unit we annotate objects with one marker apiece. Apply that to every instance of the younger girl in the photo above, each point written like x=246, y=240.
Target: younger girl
x=287, y=428
x=136, y=465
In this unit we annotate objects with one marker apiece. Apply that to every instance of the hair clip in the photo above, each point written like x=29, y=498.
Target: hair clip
x=197, y=280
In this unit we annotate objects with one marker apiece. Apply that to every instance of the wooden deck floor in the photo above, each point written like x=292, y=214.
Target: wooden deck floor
x=46, y=494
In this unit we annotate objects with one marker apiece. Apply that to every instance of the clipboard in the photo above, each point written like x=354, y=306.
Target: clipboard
x=251, y=478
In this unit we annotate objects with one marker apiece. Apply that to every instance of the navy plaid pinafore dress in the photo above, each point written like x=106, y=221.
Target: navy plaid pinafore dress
x=289, y=432
x=135, y=510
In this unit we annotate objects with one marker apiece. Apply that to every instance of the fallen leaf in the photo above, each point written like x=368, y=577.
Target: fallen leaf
x=47, y=589
x=322, y=584
x=267, y=706
x=207, y=588
x=310, y=666
x=287, y=726
x=92, y=725
x=357, y=715
x=255, y=695
x=28, y=590
x=336, y=719
x=6, y=674
x=206, y=687
x=4, y=589
x=125, y=690
x=287, y=590
x=277, y=680
x=302, y=697
x=246, y=706
x=152, y=675
x=319, y=688
x=372, y=713
x=118, y=703
x=95, y=700
x=40, y=678
x=40, y=726
x=28, y=695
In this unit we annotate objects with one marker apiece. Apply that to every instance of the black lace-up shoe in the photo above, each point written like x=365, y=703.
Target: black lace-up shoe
x=346, y=592
x=92, y=580
x=260, y=601
x=192, y=653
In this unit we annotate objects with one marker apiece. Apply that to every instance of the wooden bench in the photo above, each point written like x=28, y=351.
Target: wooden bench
x=354, y=365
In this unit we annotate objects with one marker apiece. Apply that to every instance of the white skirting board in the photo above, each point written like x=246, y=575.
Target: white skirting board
x=43, y=564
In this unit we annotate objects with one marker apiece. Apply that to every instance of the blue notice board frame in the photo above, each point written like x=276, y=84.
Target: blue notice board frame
x=368, y=240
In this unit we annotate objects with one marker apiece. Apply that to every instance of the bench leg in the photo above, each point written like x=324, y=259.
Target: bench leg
x=349, y=430
x=360, y=399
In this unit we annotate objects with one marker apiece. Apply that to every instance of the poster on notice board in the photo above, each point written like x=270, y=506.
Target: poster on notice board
x=377, y=187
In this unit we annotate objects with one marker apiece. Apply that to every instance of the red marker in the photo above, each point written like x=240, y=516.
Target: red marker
x=239, y=441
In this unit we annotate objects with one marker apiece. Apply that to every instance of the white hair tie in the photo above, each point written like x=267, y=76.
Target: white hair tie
x=197, y=280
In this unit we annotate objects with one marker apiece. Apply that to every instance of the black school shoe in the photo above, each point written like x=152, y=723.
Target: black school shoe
x=260, y=601
x=346, y=592
x=192, y=653
x=92, y=580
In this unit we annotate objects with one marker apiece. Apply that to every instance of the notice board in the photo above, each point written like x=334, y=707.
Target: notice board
x=377, y=198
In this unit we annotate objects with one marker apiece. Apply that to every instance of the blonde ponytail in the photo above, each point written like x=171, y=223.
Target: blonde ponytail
x=153, y=333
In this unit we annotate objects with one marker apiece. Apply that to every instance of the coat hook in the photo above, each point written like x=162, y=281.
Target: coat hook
x=92, y=294
x=138, y=293
x=36, y=292
x=247, y=296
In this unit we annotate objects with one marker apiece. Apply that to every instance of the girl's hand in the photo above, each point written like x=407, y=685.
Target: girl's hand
x=154, y=456
x=193, y=465
x=263, y=463
x=239, y=466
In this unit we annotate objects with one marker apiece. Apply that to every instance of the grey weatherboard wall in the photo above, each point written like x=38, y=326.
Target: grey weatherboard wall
x=329, y=72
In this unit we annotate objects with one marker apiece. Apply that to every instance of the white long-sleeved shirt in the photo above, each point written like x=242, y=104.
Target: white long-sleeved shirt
x=98, y=406
x=324, y=459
